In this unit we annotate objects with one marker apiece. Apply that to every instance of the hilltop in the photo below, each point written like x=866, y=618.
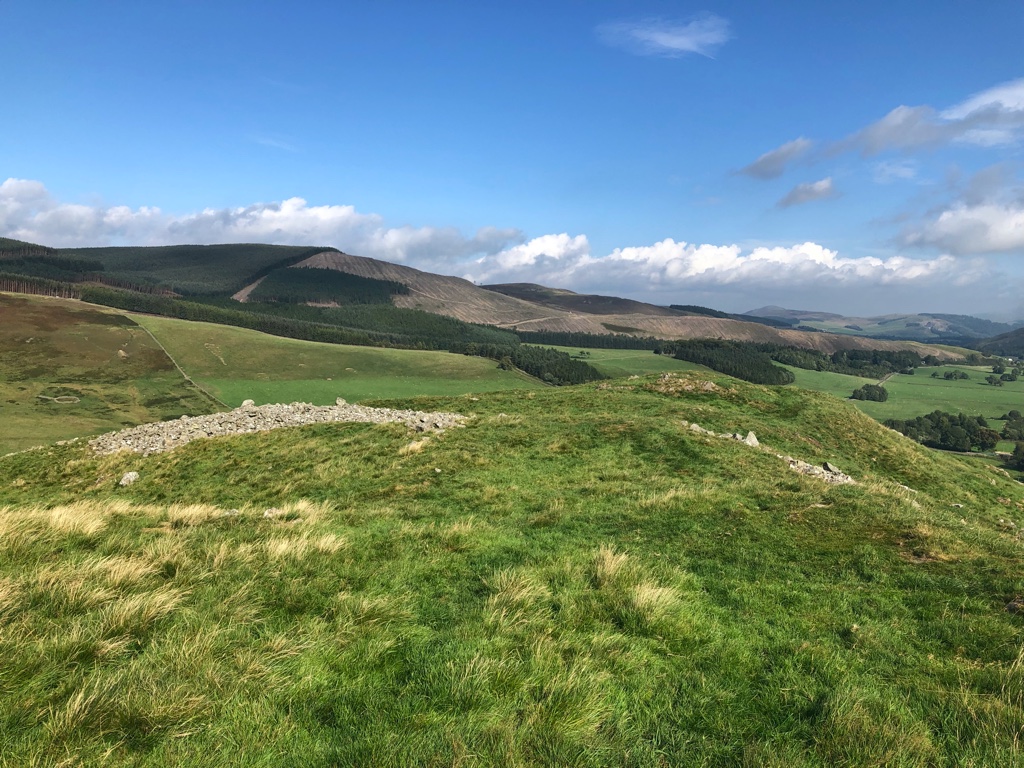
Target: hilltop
x=575, y=577
x=214, y=274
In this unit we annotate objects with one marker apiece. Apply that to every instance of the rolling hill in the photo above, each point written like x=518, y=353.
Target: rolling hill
x=213, y=273
x=926, y=327
x=576, y=577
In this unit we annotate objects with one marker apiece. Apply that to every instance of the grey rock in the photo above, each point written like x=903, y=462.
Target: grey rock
x=128, y=478
x=751, y=440
x=148, y=439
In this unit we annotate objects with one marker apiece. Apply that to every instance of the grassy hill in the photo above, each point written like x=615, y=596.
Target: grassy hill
x=248, y=271
x=69, y=369
x=574, y=578
x=917, y=395
x=238, y=364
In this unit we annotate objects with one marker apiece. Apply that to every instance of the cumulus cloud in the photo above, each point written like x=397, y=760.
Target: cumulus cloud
x=809, y=192
x=671, y=267
x=657, y=37
x=970, y=229
x=772, y=164
x=29, y=212
x=667, y=271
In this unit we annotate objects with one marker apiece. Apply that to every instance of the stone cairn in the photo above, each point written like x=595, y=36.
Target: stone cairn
x=163, y=436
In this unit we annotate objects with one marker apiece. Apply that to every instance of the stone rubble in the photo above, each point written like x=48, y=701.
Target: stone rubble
x=827, y=471
x=162, y=436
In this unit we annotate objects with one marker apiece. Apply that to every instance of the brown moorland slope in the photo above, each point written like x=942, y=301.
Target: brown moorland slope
x=459, y=298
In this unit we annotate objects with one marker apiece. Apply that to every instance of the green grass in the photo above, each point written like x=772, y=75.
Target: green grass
x=571, y=579
x=911, y=396
x=238, y=364
x=620, y=363
x=58, y=348
x=917, y=395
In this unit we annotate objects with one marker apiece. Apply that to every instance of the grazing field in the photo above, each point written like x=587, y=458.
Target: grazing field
x=911, y=396
x=69, y=369
x=618, y=363
x=238, y=364
x=574, y=579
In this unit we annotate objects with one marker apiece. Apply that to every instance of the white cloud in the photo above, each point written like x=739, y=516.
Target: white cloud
x=1007, y=97
x=991, y=118
x=667, y=271
x=889, y=171
x=772, y=164
x=673, y=267
x=29, y=212
x=964, y=229
x=656, y=37
x=809, y=192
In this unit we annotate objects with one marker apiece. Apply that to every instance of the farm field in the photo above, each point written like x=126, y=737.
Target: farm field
x=912, y=396
x=69, y=369
x=236, y=364
x=618, y=363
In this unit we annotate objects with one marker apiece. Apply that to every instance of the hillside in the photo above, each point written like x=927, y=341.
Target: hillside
x=559, y=298
x=1009, y=344
x=924, y=327
x=69, y=369
x=462, y=299
x=249, y=272
x=573, y=578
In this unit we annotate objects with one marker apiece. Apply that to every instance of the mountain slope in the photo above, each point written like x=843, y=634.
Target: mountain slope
x=574, y=578
x=462, y=299
x=926, y=326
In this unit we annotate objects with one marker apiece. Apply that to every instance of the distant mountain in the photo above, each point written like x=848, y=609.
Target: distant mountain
x=217, y=273
x=798, y=315
x=932, y=327
x=693, y=309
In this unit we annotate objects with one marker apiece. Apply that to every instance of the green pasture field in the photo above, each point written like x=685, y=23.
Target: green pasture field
x=917, y=395
x=237, y=364
x=574, y=578
x=619, y=363
x=107, y=371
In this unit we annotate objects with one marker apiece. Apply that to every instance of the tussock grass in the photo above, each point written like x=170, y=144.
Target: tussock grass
x=583, y=583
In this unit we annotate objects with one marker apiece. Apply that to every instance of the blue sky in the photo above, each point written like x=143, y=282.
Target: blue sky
x=863, y=158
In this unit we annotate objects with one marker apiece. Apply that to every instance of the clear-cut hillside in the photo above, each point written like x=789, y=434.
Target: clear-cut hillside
x=459, y=298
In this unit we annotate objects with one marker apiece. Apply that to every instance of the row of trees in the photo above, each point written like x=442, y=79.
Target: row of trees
x=378, y=325
x=734, y=358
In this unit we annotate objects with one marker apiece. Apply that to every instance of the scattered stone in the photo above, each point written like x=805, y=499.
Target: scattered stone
x=830, y=468
x=128, y=478
x=1016, y=605
x=148, y=439
x=227, y=513
x=248, y=403
x=957, y=506
x=751, y=440
x=437, y=470
x=341, y=401
x=273, y=512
